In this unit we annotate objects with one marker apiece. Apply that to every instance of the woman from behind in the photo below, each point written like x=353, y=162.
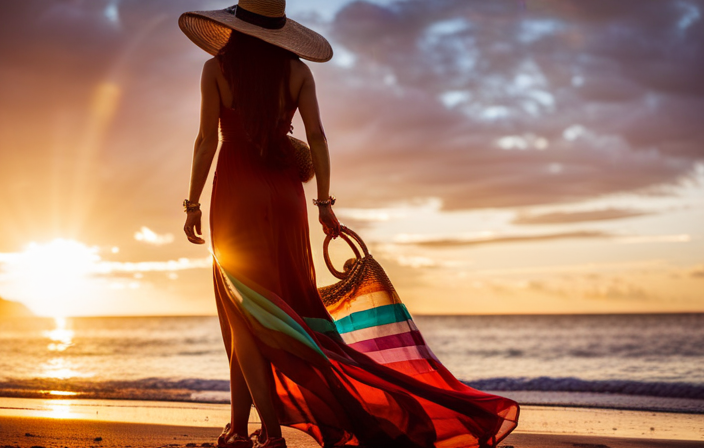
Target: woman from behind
x=286, y=355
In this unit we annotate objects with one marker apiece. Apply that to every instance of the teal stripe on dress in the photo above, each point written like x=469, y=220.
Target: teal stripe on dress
x=323, y=326
x=270, y=315
x=381, y=315
x=320, y=325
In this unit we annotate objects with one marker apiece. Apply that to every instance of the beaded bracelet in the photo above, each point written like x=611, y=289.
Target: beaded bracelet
x=189, y=206
x=329, y=201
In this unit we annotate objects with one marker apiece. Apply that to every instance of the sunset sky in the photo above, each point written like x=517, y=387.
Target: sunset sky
x=498, y=156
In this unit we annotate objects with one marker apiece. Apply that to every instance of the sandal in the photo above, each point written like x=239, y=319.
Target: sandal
x=256, y=435
x=234, y=441
x=272, y=442
x=221, y=437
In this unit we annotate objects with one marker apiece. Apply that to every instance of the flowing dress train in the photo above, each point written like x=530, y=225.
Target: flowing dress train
x=264, y=277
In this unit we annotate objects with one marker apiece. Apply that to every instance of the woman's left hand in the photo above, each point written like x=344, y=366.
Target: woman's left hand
x=331, y=226
x=193, y=228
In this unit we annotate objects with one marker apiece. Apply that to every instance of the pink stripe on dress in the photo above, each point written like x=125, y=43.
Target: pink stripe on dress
x=401, y=354
x=390, y=341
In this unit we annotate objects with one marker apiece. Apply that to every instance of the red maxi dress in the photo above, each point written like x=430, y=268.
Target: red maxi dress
x=264, y=278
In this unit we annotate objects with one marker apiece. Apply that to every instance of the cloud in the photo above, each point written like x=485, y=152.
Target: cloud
x=368, y=214
x=696, y=271
x=423, y=240
x=416, y=261
x=113, y=267
x=491, y=238
x=617, y=289
x=578, y=216
x=55, y=58
x=469, y=101
x=590, y=287
x=148, y=236
x=478, y=104
x=419, y=261
x=68, y=257
x=638, y=239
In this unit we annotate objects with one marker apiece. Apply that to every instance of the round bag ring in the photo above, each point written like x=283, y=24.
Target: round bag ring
x=326, y=254
x=356, y=237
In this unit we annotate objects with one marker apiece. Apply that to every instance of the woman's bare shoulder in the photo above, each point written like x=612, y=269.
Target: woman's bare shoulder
x=300, y=76
x=211, y=67
x=300, y=70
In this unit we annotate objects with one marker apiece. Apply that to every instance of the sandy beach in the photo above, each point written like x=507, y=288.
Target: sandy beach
x=27, y=423
x=52, y=433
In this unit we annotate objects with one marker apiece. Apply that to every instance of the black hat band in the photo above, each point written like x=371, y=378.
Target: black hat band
x=271, y=23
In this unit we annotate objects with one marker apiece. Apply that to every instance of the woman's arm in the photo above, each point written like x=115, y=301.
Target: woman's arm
x=205, y=146
x=310, y=113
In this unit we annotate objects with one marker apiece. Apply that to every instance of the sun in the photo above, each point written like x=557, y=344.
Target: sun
x=53, y=277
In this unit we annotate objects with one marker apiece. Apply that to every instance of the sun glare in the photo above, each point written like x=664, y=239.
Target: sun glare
x=60, y=410
x=60, y=393
x=64, y=278
x=52, y=275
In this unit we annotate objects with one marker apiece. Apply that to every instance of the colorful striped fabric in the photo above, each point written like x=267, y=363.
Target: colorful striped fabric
x=372, y=319
x=261, y=308
x=351, y=369
x=386, y=333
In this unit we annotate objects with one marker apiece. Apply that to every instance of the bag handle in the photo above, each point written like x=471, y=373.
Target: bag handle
x=344, y=230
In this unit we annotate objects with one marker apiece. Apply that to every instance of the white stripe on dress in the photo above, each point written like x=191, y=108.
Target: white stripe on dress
x=379, y=331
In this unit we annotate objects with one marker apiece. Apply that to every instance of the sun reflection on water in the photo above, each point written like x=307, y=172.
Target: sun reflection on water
x=60, y=369
x=61, y=337
x=60, y=409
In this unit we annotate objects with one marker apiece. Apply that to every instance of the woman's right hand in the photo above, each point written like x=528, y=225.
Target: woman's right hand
x=331, y=226
x=193, y=227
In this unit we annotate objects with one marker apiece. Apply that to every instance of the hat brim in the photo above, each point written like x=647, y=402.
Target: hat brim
x=211, y=30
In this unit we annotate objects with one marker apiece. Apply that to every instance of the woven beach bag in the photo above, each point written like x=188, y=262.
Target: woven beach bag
x=371, y=318
x=303, y=159
x=360, y=275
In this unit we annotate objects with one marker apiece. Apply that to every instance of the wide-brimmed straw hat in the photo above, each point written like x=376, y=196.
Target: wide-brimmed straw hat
x=264, y=19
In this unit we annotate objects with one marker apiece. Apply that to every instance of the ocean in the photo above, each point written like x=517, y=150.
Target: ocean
x=646, y=362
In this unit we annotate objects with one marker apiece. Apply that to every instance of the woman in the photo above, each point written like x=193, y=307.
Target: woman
x=285, y=354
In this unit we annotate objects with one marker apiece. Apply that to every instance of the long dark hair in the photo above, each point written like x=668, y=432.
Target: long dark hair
x=258, y=74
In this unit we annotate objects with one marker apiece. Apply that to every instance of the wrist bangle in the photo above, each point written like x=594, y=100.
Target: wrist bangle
x=189, y=206
x=329, y=201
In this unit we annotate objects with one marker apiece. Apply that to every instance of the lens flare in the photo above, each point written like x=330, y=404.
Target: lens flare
x=52, y=276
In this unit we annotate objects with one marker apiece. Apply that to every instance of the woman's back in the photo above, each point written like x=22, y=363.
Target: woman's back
x=298, y=74
x=301, y=90
x=233, y=126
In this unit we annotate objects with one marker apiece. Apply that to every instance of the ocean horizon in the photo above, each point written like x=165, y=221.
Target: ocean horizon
x=624, y=361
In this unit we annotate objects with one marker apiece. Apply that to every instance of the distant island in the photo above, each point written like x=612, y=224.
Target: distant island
x=13, y=309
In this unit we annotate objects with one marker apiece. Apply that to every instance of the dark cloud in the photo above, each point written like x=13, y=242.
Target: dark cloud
x=451, y=242
x=627, y=74
x=578, y=216
x=417, y=109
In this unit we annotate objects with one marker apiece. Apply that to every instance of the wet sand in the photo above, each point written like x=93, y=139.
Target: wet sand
x=27, y=432
x=27, y=423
